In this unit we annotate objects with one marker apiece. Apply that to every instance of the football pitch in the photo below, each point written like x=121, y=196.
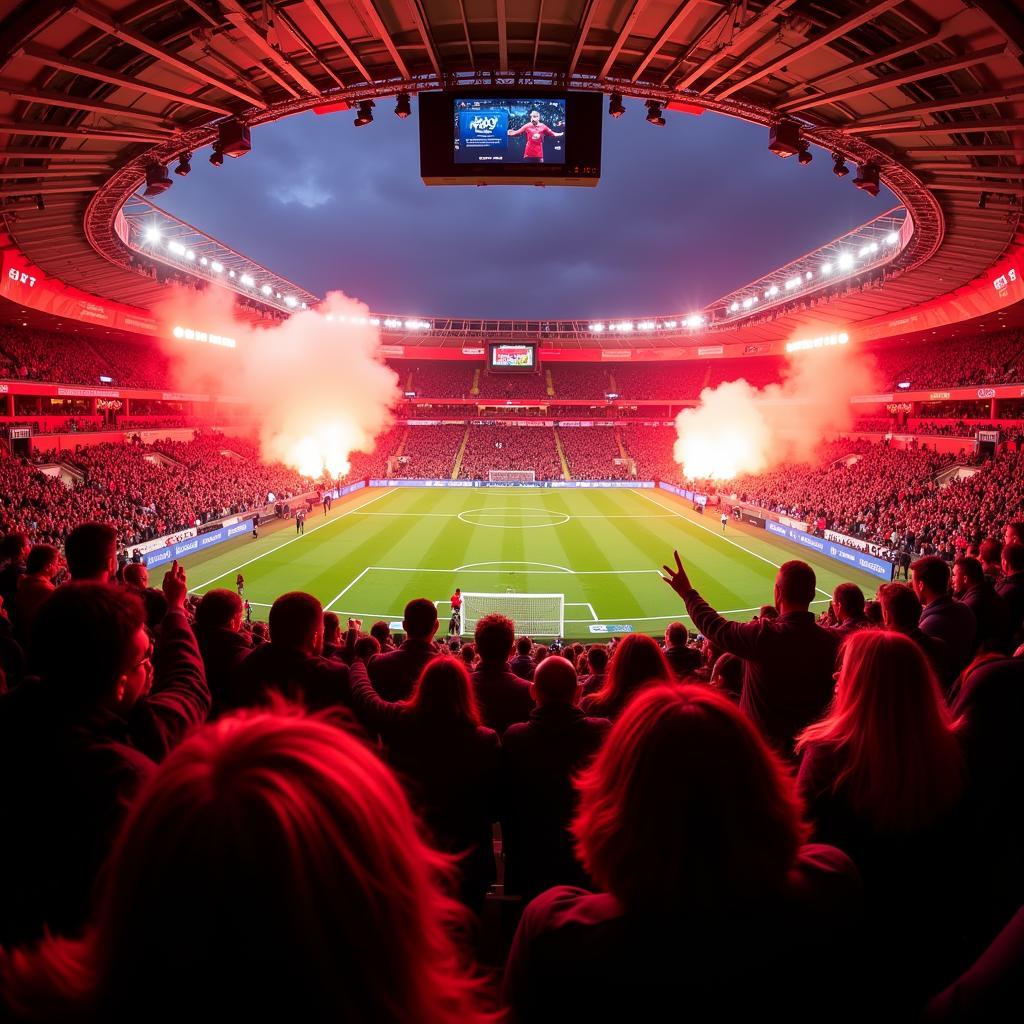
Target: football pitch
x=601, y=549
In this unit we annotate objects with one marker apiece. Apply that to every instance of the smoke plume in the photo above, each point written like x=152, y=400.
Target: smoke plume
x=315, y=386
x=741, y=429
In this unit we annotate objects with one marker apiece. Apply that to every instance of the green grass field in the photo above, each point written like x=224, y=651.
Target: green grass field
x=602, y=549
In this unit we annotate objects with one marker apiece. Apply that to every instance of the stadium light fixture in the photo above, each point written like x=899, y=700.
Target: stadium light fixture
x=749, y=301
x=892, y=238
x=864, y=250
x=734, y=308
x=615, y=107
x=773, y=291
x=867, y=179
x=233, y=138
x=695, y=321
x=645, y=325
x=157, y=180
x=217, y=267
x=670, y=324
x=247, y=281
x=654, y=114
x=217, y=157
x=153, y=235
x=845, y=261
x=364, y=113
x=805, y=156
x=177, y=248
x=184, y=164
x=190, y=255
x=904, y=385
x=793, y=282
x=290, y=301
x=266, y=290
x=808, y=275
x=597, y=328
x=839, y=168
x=826, y=269
x=403, y=108
x=203, y=261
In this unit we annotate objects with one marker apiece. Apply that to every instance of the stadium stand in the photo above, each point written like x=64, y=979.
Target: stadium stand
x=430, y=451
x=494, y=446
x=591, y=453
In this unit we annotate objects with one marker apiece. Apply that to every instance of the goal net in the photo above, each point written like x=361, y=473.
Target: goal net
x=534, y=614
x=511, y=476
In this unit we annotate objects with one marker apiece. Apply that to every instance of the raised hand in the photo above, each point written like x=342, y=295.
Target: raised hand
x=676, y=578
x=175, y=586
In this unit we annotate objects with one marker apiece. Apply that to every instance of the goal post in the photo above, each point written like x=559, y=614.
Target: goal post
x=511, y=476
x=534, y=614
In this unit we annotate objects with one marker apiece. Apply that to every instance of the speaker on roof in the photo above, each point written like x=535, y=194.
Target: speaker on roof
x=233, y=139
x=784, y=138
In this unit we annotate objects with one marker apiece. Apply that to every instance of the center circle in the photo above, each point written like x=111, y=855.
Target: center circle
x=513, y=517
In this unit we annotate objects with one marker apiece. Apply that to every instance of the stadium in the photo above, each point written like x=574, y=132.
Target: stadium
x=512, y=511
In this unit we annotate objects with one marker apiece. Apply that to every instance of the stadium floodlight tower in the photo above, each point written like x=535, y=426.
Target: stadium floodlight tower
x=537, y=615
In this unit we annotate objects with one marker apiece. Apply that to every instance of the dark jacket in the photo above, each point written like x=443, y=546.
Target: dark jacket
x=789, y=662
x=523, y=666
x=954, y=624
x=939, y=657
x=684, y=660
x=314, y=682
x=990, y=615
x=539, y=760
x=223, y=651
x=450, y=771
x=71, y=773
x=1011, y=590
x=394, y=674
x=32, y=592
x=583, y=956
x=851, y=625
x=503, y=698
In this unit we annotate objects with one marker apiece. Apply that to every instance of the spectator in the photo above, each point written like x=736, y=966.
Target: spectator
x=635, y=664
x=468, y=654
x=991, y=555
x=941, y=616
x=271, y=870
x=1013, y=533
x=80, y=740
x=683, y=659
x=135, y=575
x=539, y=760
x=848, y=609
x=91, y=552
x=522, y=664
x=503, y=697
x=291, y=666
x=394, y=674
x=883, y=778
x=34, y=588
x=970, y=587
x=727, y=676
x=597, y=666
x=787, y=680
x=901, y=613
x=381, y=630
x=690, y=828
x=447, y=760
x=1011, y=589
x=333, y=645
x=223, y=643
x=14, y=549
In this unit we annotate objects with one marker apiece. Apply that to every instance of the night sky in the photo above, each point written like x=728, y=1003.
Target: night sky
x=682, y=215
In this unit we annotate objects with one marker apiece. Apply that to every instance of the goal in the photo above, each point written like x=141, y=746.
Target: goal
x=534, y=614
x=511, y=476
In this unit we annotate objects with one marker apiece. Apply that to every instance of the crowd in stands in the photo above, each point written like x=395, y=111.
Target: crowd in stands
x=979, y=359
x=507, y=386
x=500, y=446
x=795, y=816
x=591, y=453
x=429, y=452
x=148, y=491
x=652, y=448
x=437, y=379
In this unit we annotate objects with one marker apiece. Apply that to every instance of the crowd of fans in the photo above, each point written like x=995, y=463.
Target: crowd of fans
x=148, y=491
x=429, y=452
x=501, y=446
x=652, y=449
x=979, y=359
x=592, y=452
x=790, y=816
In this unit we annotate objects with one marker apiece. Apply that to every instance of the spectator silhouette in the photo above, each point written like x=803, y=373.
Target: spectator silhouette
x=503, y=697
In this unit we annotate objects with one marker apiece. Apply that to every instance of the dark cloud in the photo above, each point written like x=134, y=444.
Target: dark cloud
x=683, y=214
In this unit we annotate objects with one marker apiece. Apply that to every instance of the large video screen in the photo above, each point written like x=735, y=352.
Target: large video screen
x=505, y=358
x=510, y=137
x=499, y=130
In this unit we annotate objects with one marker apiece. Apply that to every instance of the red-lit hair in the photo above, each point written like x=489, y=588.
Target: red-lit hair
x=686, y=806
x=444, y=693
x=637, y=661
x=902, y=765
x=271, y=867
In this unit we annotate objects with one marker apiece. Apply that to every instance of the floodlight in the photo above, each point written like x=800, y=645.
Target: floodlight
x=615, y=107
x=184, y=164
x=654, y=115
x=157, y=180
x=217, y=157
x=403, y=108
x=364, y=114
x=839, y=168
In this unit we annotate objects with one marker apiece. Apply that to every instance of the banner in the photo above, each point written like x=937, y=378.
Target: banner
x=195, y=544
x=878, y=550
x=161, y=542
x=751, y=519
x=557, y=484
x=796, y=524
x=600, y=627
x=879, y=567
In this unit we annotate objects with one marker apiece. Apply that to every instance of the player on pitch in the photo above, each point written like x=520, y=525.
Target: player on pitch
x=455, y=622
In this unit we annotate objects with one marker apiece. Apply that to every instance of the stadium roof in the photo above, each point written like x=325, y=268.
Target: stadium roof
x=932, y=91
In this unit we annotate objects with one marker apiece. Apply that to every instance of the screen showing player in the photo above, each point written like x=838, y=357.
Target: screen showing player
x=513, y=357
x=491, y=130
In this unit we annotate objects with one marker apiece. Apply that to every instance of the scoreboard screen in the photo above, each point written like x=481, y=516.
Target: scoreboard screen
x=511, y=358
x=498, y=130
